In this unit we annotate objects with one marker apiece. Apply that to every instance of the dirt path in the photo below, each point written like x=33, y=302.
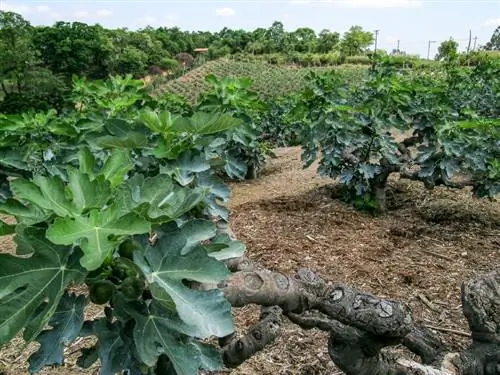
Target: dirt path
x=290, y=218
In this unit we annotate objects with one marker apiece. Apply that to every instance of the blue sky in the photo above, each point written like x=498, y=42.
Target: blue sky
x=413, y=22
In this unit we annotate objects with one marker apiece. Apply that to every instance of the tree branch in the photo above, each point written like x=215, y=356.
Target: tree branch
x=308, y=292
x=431, y=183
x=238, y=350
x=361, y=324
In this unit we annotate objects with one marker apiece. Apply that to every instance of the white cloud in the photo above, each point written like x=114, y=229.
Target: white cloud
x=23, y=8
x=81, y=14
x=16, y=8
x=364, y=3
x=56, y=16
x=42, y=8
x=225, y=12
x=86, y=15
x=103, y=13
x=492, y=22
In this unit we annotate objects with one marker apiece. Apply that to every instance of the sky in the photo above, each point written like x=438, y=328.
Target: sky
x=413, y=22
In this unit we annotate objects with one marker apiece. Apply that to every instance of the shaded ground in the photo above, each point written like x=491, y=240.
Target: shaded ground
x=421, y=250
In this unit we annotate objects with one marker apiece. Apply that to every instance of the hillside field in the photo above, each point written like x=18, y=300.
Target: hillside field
x=268, y=80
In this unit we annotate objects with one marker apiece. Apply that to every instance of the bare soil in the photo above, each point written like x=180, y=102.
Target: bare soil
x=419, y=252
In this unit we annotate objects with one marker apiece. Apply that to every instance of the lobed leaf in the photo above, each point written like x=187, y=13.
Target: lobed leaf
x=31, y=288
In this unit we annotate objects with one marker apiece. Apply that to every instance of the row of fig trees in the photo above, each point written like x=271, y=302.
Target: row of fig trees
x=440, y=127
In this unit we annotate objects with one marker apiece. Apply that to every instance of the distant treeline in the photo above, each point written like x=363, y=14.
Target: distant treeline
x=37, y=62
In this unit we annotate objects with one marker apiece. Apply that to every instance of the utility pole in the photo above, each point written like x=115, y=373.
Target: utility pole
x=397, y=48
x=376, y=38
x=470, y=38
x=475, y=40
x=429, y=48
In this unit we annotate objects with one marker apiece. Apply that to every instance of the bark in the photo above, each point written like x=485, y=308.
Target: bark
x=251, y=172
x=430, y=183
x=237, y=350
x=481, y=306
x=379, y=184
x=306, y=291
x=361, y=324
x=425, y=343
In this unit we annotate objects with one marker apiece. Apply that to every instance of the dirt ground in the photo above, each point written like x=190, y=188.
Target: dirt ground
x=419, y=253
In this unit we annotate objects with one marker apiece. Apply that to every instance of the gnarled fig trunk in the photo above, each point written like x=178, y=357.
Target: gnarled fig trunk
x=361, y=324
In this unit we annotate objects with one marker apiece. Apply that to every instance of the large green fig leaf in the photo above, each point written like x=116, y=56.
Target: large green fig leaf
x=185, y=167
x=158, y=122
x=222, y=247
x=31, y=288
x=165, y=200
x=165, y=267
x=86, y=161
x=158, y=331
x=114, y=349
x=84, y=219
x=88, y=193
x=217, y=192
x=196, y=231
x=235, y=168
x=97, y=234
x=66, y=324
x=116, y=166
x=47, y=193
x=203, y=123
x=50, y=194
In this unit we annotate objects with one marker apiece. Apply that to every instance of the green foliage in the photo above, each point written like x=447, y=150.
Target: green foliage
x=72, y=48
x=327, y=41
x=494, y=42
x=25, y=85
x=355, y=41
x=278, y=127
x=451, y=118
x=17, y=54
x=121, y=197
x=66, y=324
x=32, y=287
x=447, y=50
x=230, y=95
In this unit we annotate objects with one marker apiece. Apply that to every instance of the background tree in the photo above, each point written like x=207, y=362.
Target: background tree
x=276, y=36
x=26, y=84
x=17, y=54
x=447, y=49
x=327, y=41
x=305, y=39
x=494, y=43
x=74, y=48
x=355, y=41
